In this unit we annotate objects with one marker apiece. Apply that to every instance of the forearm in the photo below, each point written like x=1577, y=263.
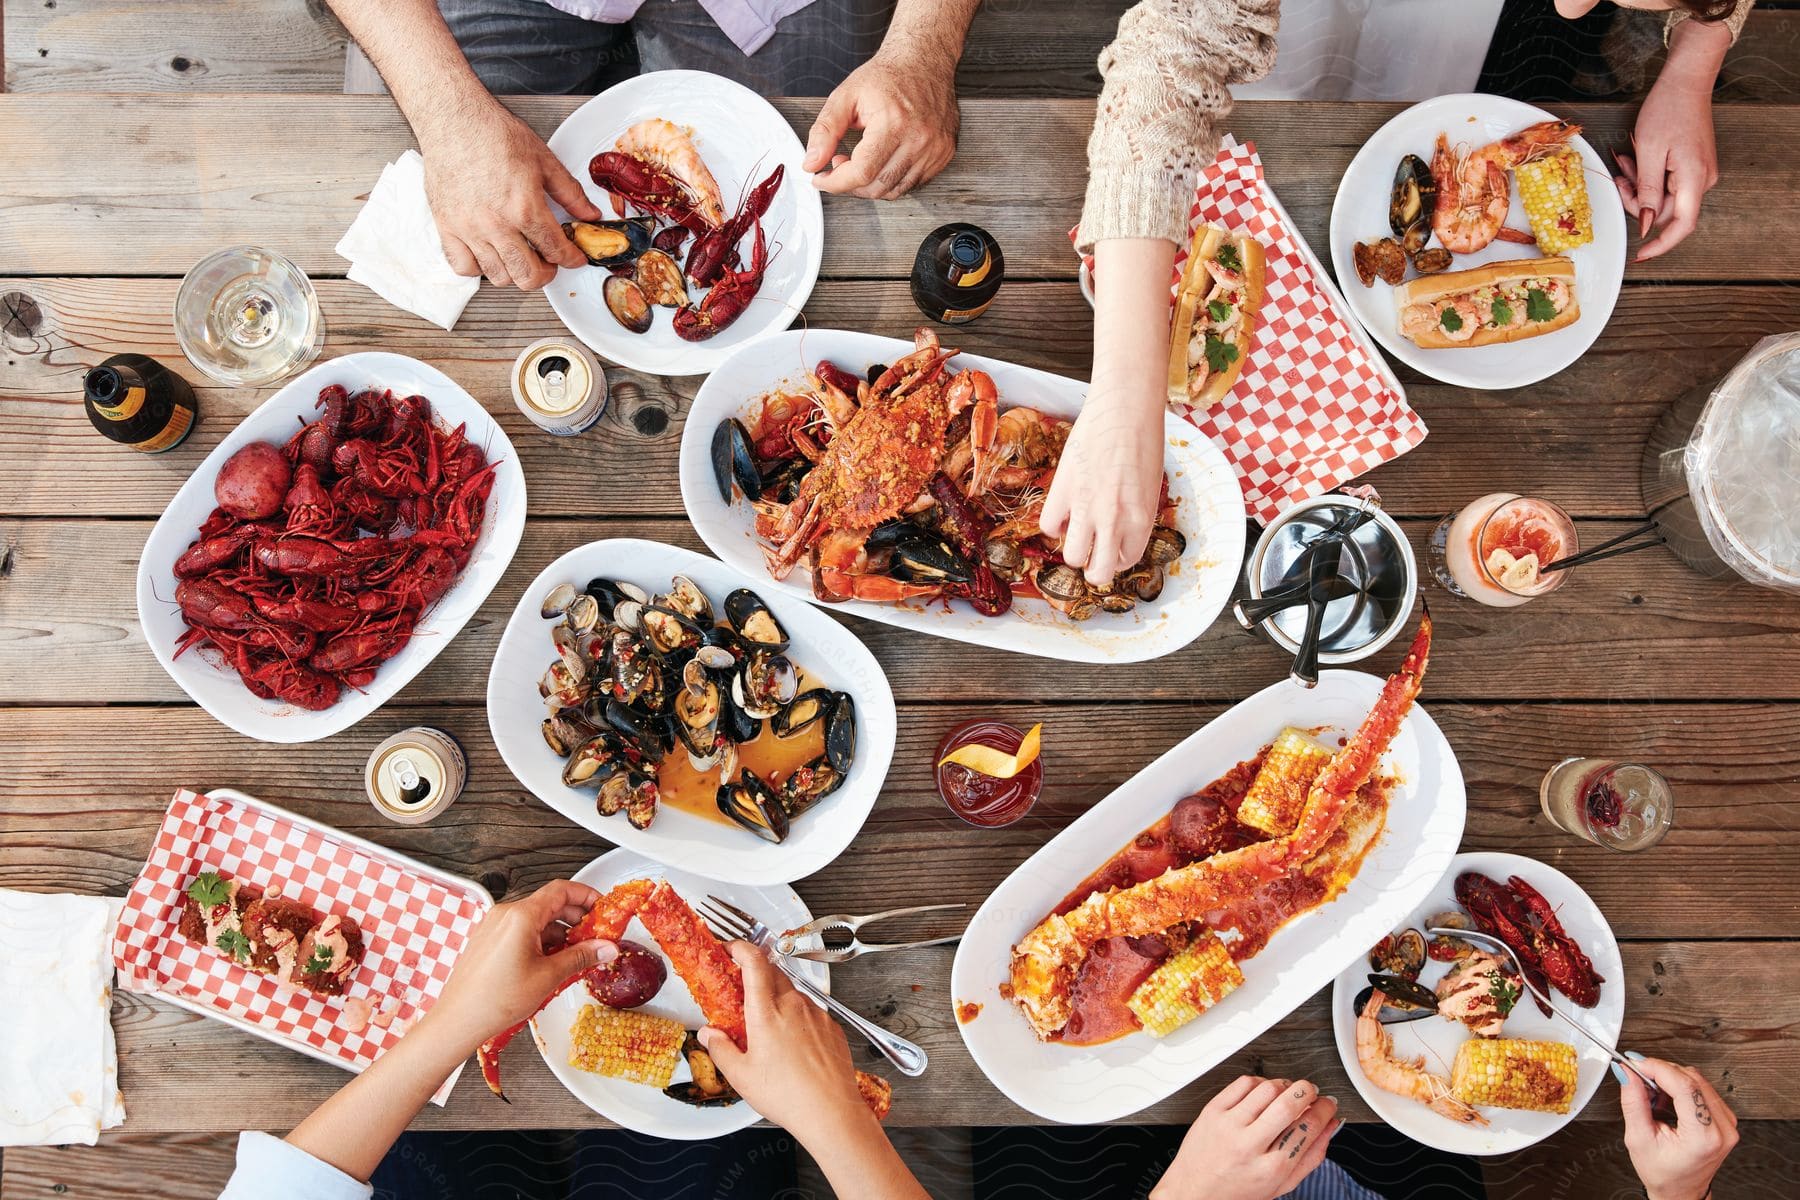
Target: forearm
x=1131, y=325
x=354, y=1129
x=424, y=68
x=1696, y=52
x=859, y=1161
x=930, y=32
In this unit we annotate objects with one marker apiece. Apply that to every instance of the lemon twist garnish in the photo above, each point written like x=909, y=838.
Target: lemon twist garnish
x=986, y=760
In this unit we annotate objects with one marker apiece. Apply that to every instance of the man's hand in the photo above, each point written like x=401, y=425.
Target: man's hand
x=1255, y=1140
x=506, y=971
x=905, y=104
x=486, y=177
x=1676, y=1163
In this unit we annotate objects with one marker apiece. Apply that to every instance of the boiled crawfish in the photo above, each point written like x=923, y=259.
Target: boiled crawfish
x=1519, y=915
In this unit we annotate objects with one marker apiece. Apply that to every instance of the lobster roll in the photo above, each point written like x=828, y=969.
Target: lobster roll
x=1216, y=304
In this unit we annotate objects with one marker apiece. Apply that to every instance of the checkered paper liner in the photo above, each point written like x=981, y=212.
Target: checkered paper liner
x=1316, y=405
x=415, y=922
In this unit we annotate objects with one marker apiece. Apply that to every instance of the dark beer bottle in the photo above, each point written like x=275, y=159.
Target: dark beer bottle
x=957, y=273
x=138, y=402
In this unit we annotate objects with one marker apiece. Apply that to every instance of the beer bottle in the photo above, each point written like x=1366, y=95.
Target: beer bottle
x=136, y=401
x=958, y=270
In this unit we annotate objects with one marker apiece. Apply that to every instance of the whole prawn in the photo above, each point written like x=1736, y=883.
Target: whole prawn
x=1473, y=192
x=668, y=146
x=1404, y=1077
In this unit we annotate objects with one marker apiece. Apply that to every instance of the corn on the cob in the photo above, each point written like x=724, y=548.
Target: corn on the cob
x=1278, y=792
x=1515, y=1073
x=1556, y=201
x=626, y=1045
x=1187, y=984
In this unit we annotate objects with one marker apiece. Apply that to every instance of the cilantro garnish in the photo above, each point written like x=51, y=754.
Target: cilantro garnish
x=1218, y=310
x=1503, y=313
x=234, y=944
x=319, y=962
x=1219, y=353
x=1450, y=320
x=1228, y=258
x=208, y=890
x=1505, y=993
x=1538, y=306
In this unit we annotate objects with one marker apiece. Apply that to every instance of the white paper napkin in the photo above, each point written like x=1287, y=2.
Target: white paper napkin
x=394, y=250
x=59, y=1070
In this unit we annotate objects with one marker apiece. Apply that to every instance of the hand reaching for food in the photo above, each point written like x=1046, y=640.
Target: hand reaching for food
x=908, y=118
x=1676, y=1162
x=1255, y=1140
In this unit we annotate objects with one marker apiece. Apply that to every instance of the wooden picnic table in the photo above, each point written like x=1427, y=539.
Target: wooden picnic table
x=109, y=199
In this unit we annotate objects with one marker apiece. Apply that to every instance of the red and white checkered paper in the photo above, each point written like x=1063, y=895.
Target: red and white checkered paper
x=414, y=926
x=1315, y=405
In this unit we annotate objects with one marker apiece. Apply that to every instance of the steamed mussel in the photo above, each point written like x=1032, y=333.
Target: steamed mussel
x=626, y=301
x=734, y=461
x=611, y=243
x=754, y=805
x=753, y=623
x=1411, y=203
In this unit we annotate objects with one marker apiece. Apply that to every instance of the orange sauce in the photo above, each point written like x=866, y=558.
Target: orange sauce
x=967, y=1011
x=772, y=759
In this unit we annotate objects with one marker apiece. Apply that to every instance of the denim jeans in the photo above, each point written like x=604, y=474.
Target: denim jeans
x=527, y=46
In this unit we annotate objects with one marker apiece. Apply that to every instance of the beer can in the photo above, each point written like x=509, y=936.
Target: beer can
x=559, y=386
x=415, y=775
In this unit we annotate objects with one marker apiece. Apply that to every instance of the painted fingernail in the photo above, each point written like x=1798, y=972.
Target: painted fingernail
x=1329, y=1099
x=1618, y=1074
x=1634, y=1056
x=1335, y=1126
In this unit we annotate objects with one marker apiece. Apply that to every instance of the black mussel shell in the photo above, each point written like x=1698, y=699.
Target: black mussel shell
x=643, y=732
x=1389, y=1015
x=782, y=481
x=921, y=556
x=669, y=630
x=626, y=301
x=709, y=1086
x=808, y=785
x=593, y=762
x=1401, y=954
x=609, y=592
x=765, y=683
x=719, y=649
x=1401, y=990
x=750, y=802
x=755, y=626
x=800, y=712
x=876, y=371
x=610, y=243
x=736, y=724
x=734, y=461
x=1412, y=200
x=840, y=732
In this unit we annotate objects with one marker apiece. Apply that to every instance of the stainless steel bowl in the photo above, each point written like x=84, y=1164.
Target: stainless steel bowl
x=1377, y=556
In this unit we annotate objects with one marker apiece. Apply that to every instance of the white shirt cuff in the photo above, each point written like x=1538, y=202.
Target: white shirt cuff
x=271, y=1169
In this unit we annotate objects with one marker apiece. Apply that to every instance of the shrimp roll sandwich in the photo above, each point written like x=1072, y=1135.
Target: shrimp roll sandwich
x=1215, y=315
x=1484, y=306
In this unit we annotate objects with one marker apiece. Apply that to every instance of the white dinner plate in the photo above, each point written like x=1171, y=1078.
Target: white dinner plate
x=219, y=690
x=1360, y=214
x=1210, y=514
x=821, y=647
x=638, y=1106
x=742, y=138
x=1437, y=1039
x=1090, y=1084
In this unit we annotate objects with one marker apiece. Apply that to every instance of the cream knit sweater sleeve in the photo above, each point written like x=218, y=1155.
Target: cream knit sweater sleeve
x=1165, y=97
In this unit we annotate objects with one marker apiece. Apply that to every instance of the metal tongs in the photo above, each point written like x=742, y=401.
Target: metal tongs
x=791, y=944
x=1662, y=1107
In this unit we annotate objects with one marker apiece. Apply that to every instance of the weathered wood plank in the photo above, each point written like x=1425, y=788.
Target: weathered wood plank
x=1642, y=627
x=78, y=814
x=1576, y=438
x=182, y=180
x=167, y=1166
x=1697, y=1002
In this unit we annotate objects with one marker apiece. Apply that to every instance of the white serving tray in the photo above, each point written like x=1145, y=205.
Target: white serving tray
x=1210, y=515
x=1091, y=1084
x=821, y=647
x=219, y=690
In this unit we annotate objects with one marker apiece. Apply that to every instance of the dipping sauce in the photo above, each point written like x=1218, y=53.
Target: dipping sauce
x=772, y=759
x=981, y=799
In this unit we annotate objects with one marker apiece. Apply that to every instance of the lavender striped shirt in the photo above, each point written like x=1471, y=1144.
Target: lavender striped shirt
x=749, y=23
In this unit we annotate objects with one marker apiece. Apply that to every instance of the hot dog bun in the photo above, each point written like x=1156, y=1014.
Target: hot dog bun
x=1197, y=285
x=1432, y=289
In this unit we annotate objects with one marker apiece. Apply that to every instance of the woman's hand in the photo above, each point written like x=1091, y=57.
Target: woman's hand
x=1675, y=161
x=795, y=1068
x=1102, y=502
x=486, y=176
x=512, y=963
x=1676, y=1163
x=1257, y=1139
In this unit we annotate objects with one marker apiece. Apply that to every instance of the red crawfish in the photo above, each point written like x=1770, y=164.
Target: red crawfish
x=726, y=301
x=716, y=249
x=646, y=186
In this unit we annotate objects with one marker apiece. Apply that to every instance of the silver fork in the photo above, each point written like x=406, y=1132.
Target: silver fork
x=729, y=921
x=788, y=944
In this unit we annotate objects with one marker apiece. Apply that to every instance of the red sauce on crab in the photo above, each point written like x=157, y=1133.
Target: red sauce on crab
x=981, y=799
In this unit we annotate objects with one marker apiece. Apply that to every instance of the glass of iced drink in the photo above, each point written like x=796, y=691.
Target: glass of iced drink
x=1493, y=551
x=1610, y=802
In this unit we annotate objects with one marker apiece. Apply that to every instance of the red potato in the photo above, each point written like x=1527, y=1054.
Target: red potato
x=253, y=482
x=630, y=979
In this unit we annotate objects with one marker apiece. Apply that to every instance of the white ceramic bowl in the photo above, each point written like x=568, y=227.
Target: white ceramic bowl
x=821, y=647
x=637, y=1106
x=1360, y=214
x=742, y=138
x=1089, y=1084
x=1211, y=512
x=1436, y=1040
x=219, y=690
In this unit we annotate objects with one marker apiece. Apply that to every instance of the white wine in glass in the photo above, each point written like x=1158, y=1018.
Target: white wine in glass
x=248, y=316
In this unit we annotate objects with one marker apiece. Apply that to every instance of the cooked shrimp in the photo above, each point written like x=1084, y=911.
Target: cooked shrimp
x=1404, y=1077
x=671, y=147
x=1473, y=191
x=1558, y=293
x=1418, y=318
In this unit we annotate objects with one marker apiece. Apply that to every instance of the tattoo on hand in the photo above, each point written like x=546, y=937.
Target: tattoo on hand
x=1701, y=1112
x=1298, y=1146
